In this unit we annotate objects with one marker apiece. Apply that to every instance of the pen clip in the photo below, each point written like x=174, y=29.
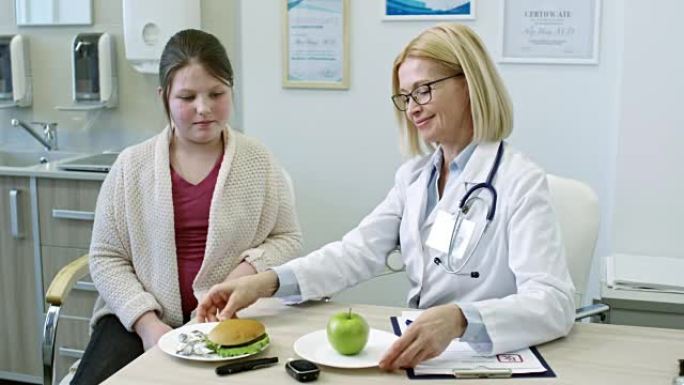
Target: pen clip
x=482, y=372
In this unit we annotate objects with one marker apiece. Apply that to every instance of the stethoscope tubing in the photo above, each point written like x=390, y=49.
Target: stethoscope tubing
x=448, y=267
x=487, y=185
x=463, y=209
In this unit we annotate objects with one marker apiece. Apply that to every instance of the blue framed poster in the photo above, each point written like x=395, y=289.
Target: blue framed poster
x=429, y=9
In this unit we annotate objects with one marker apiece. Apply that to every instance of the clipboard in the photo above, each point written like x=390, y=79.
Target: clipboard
x=477, y=374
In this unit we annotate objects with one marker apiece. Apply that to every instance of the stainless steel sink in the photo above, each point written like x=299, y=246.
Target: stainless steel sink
x=32, y=158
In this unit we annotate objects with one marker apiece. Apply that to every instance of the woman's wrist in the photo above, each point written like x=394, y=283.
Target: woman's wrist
x=243, y=269
x=271, y=283
x=461, y=323
x=145, y=321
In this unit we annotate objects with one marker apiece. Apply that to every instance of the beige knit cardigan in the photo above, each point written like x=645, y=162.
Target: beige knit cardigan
x=133, y=250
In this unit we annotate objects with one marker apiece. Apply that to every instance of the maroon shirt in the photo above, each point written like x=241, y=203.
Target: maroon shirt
x=191, y=205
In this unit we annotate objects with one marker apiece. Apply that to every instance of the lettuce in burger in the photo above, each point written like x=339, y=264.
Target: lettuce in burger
x=237, y=337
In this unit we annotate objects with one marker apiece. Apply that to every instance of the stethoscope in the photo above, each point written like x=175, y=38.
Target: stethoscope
x=463, y=208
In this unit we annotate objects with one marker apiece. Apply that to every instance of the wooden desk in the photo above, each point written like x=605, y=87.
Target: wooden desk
x=591, y=354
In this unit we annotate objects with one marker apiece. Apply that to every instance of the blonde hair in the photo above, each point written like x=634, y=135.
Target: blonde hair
x=458, y=49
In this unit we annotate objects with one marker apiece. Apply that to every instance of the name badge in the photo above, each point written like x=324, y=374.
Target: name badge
x=462, y=238
x=442, y=231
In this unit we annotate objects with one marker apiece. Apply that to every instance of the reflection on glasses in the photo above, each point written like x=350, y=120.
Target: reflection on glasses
x=421, y=95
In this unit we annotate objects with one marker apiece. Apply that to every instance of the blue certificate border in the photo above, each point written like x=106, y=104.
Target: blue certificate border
x=416, y=10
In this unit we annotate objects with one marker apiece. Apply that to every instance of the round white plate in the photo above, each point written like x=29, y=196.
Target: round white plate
x=316, y=348
x=168, y=343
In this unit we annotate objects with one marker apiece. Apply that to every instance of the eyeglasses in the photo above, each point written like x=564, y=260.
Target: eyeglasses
x=421, y=95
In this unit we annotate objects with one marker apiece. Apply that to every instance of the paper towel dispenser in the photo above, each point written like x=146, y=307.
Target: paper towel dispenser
x=93, y=65
x=146, y=29
x=15, y=79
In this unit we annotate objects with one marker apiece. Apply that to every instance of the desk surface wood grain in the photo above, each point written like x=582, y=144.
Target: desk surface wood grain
x=591, y=354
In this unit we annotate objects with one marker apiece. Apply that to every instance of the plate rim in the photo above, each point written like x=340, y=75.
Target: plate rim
x=323, y=331
x=207, y=326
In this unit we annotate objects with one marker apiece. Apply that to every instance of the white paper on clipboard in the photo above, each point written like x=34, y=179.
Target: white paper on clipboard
x=459, y=355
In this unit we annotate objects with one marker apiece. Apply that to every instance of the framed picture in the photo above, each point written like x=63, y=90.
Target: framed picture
x=316, y=44
x=550, y=31
x=429, y=9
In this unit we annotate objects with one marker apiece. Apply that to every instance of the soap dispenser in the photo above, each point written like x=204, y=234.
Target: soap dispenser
x=93, y=62
x=15, y=79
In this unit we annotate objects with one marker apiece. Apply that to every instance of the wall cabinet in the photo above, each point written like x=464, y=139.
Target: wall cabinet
x=46, y=223
x=19, y=324
x=66, y=211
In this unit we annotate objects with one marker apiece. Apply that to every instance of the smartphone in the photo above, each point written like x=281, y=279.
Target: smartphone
x=302, y=370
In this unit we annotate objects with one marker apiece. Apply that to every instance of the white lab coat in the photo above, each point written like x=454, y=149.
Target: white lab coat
x=524, y=293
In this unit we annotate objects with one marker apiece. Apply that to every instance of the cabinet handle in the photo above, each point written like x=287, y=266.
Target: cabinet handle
x=85, y=286
x=73, y=214
x=15, y=226
x=69, y=352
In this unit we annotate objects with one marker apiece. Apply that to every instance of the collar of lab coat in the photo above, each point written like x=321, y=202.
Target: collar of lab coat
x=475, y=171
x=480, y=163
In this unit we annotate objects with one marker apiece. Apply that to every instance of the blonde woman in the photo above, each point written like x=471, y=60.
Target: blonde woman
x=471, y=214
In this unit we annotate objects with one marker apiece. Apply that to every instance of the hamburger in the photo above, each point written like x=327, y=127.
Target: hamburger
x=237, y=337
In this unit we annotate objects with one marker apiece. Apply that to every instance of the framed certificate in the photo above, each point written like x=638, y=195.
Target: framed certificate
x=429, y=9
x=316, y=44
x=550, y=31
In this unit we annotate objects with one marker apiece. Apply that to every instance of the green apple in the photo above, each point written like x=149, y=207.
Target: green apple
x=347, y=332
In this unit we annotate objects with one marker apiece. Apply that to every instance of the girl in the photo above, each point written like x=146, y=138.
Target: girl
x=185, y=210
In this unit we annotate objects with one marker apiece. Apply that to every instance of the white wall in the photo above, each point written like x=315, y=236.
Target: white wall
x=139, y=114
x=650, y=183
x=615, y=125
x=341, y=147
x=566, y=119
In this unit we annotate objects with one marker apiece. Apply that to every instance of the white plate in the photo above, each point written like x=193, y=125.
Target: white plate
x=316, y=348
x=168, y=343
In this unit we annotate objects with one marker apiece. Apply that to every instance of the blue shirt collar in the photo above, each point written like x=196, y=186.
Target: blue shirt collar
x=459, y=161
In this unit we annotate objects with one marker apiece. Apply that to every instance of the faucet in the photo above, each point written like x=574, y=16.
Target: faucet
x=49, y=139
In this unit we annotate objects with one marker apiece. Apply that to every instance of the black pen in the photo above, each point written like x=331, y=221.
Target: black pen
x=242, y=366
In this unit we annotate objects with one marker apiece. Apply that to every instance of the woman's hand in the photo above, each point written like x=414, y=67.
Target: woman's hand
x=223, y=300
x=150, y=329
x=426, y=337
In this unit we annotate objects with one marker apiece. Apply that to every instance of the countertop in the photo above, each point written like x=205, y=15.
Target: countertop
x=51, y=170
